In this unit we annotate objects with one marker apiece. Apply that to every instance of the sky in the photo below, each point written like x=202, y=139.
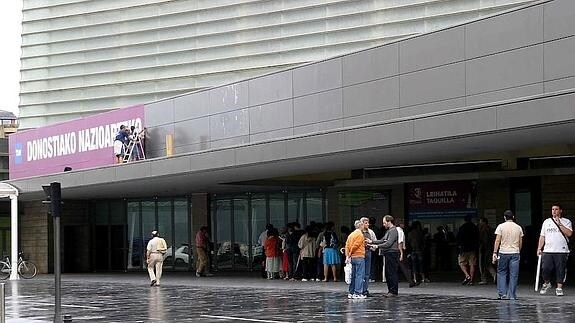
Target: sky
x=10, y=30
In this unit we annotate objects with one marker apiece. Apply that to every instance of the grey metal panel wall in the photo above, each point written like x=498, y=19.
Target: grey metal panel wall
x=453, y=68
x=79, y=57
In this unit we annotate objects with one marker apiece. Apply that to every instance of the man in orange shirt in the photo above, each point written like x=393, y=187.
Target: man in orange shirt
x=355, y=254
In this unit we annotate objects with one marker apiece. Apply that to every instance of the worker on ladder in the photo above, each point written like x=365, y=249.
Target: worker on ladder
x=120, y=143
x=134, y=150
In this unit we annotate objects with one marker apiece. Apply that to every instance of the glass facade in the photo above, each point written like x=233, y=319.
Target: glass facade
x=238, y=222
x=122, y=228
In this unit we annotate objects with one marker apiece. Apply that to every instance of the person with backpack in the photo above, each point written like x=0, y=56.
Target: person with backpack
x=155, y=251
x=331, y=257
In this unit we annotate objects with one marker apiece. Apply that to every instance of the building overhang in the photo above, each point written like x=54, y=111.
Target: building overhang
x=524, y=123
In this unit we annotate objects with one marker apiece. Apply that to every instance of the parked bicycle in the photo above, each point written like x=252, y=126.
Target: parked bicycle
x=26, y=269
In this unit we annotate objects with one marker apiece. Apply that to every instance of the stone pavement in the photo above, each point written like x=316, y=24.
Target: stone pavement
x=182, y=297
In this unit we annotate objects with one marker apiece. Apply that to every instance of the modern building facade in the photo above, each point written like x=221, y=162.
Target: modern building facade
x=84, y=57
x=468, y=120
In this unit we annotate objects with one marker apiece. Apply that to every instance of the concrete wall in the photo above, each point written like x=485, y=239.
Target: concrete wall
x=558, y=189
x=35, y=235
x=513, y=55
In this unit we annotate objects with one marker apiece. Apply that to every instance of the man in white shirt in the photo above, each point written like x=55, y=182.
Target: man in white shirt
x=155, y=258
x=507, y=248
x=554, y=249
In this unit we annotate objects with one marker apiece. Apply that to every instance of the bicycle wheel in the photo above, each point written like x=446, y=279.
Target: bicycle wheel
x=4, y=270
x=27, y=269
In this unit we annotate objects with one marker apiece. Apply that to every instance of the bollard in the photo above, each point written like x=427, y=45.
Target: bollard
x=67, y=319
x=2, y=303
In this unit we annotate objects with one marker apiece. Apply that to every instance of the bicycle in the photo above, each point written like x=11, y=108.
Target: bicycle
x=26, y=269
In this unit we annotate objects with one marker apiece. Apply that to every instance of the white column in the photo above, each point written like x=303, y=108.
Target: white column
x=14, y=236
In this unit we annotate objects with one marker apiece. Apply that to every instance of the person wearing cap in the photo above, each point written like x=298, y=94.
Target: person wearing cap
x=155, y=258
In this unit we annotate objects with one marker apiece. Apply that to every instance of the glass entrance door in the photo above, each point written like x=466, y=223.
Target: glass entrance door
x=234, y=248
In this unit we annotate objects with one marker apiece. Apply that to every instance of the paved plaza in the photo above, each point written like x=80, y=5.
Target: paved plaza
x=183, y=298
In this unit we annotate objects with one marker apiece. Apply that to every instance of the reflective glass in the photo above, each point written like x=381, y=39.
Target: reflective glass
x=148, y=221
x=277, y=211
x=295, y=208
x=165, y=228
x=241, y=234
x=183, y=257
x=314, y=209
x=135, y=244
x=223, y=244
x=258, y=226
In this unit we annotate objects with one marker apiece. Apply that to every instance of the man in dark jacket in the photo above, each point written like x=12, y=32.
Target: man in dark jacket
x=468, y=242
x=389, y=247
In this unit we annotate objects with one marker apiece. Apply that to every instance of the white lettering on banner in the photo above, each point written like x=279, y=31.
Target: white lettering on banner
x=94, y=138
x=49, y=147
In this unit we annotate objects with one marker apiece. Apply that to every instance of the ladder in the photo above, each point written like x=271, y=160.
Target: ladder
x=134, y=149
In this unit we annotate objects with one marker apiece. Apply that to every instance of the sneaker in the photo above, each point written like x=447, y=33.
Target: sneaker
x=426, y=280
x=502, y=297
x=466, y=280
x=350, y=296
x=198, y=274
x=303, y=280
x=359, y=296
x=544, y=288
x=482, y=283
x=153, y=283
x=372, y=280
x=317, y=279
x=559, y=291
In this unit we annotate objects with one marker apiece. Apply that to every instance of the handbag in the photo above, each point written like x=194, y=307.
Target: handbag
x=347, y=272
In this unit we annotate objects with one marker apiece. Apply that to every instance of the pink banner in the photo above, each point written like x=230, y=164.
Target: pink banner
x=79, y=144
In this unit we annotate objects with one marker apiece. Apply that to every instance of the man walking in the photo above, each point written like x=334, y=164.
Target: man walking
x=507, y=248
x=355, y=254
x=155, y=257
x=468, y=242
x=389, y=247
x=554, y=249
x=202, y=242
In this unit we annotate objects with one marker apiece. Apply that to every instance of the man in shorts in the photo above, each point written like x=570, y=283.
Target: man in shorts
x=121, y=138
x=554, y=249
x=468, y=242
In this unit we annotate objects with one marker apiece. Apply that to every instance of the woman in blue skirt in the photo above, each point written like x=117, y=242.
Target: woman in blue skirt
x=331, y=256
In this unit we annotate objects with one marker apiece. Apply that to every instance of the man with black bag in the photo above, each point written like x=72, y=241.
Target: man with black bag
x=554, y=248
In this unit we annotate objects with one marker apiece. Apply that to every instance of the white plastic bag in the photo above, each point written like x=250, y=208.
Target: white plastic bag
x=347, y=272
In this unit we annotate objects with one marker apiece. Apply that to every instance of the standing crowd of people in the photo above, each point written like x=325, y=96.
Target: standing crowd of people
x=315, y=253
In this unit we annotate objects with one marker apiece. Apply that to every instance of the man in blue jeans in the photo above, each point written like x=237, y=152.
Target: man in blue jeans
x=506, y=250
x=367, y=234
x=355, y=254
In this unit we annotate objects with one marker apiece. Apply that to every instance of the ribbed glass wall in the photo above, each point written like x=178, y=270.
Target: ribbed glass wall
x=238, y=222
x=80, y=57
